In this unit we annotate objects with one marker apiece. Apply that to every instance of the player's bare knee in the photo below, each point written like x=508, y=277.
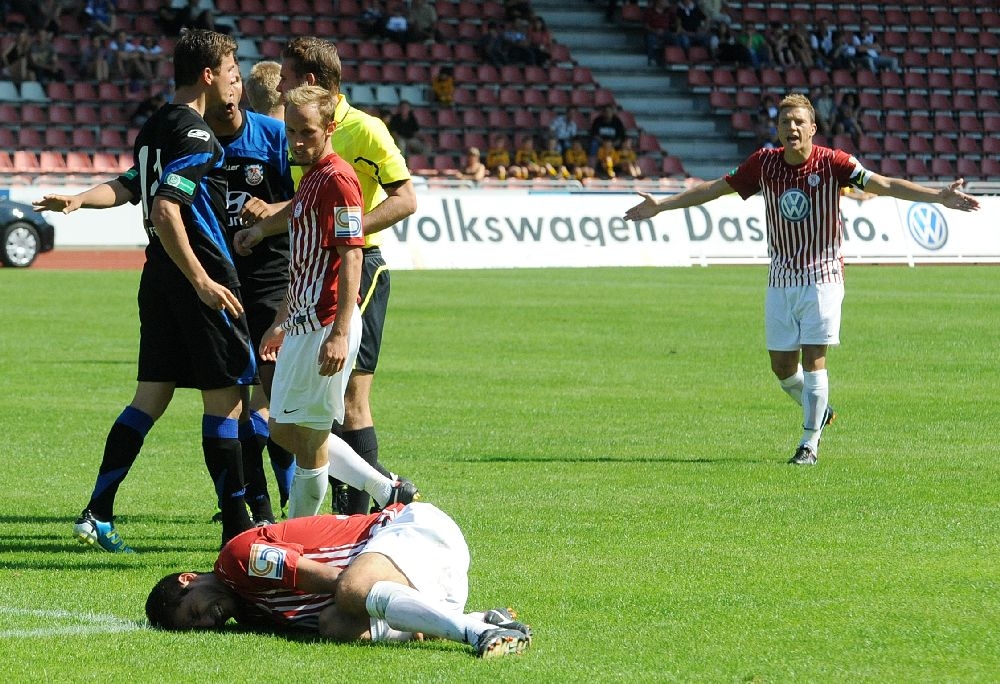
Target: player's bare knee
x=336, y=626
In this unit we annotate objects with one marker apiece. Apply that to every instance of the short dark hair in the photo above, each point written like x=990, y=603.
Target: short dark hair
x=198, y=49
x=315, y=56
x=163, y=602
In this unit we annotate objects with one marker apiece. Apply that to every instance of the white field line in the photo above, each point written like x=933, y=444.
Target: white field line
x=85, y=623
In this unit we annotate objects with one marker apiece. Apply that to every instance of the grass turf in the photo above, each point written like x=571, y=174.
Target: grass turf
x=612, y=444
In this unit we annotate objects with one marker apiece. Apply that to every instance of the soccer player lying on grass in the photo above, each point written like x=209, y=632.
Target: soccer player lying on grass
x=395, y=575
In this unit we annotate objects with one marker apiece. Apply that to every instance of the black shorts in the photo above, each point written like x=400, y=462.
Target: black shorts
x=184, y=342
x=374, y=303
x=261, y=309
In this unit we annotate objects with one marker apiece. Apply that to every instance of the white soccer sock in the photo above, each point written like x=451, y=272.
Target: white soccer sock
x=381, y=631
x=307, y=492
x=406, y=609
x=348, y=467
x=793, y=386
x=815, y=399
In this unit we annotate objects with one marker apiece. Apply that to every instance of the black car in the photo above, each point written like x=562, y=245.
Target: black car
x=24, y=234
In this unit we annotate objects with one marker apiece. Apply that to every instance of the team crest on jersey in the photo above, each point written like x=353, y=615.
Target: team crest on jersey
x=254, y=174
x=813, y=180
x=200, y=134
x=347, y=222
x=266, y=562
x=297, y=212
x=794, y=205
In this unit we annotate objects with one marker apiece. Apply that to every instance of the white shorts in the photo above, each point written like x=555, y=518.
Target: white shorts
x=805, y=314
x=299, y=394
x=427, y=546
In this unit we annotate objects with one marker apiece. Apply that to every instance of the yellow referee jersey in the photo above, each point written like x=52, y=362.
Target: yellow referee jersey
x=366, y=144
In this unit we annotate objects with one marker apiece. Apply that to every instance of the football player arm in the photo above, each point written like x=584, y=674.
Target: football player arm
x=261, y=226
x=401, y=202
x=313, y=577
x=165, y=215
x=333, y=353
x=103, y=196
x=699, y=194
x=900, y=188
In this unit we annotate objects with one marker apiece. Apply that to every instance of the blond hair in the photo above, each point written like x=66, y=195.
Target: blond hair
x=305, y=96
x=261, y=87
x=795, y=100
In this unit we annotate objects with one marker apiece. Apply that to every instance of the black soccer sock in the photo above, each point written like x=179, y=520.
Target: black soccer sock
x=120, y=451
x=252, y=446
x=338, y=499
x=365, y=442
x=224, y=459
x=283, y=465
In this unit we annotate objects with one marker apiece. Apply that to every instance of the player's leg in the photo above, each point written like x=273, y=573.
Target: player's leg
x=253, y=438
x=121, y=448
x=224, y=456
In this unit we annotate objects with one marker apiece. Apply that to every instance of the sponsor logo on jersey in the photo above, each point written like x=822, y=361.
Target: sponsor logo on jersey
x=235, y=201
x=267, y=562
x=180, y=182
x=927, y=226
x=347, y=222
x=794, y=205
x=254, y=174
x=200, y=134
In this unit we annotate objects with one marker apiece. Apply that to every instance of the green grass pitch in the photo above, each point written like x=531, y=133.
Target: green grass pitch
x=613, y=445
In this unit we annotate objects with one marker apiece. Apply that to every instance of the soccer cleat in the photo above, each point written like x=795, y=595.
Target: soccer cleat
x=507, y=618
x=404, y=492
x=804, y=455
x=496, y=643
x=829, y=416
x=90, y=530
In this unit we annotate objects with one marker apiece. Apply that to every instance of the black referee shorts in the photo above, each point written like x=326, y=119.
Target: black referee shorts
x=374, y=303
x=183, y=341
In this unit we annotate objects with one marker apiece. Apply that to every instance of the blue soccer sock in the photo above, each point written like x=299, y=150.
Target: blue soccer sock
x=121, y=448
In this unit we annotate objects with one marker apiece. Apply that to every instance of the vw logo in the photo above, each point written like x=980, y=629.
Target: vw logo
x=927, y=226
x=794, y=205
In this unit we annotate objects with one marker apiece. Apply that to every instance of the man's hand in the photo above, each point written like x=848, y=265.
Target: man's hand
x=255, y=209
x=270, y=343
x=246, y=239
x=647, y=209
x=953, y=198
x=333, y=354
x=66, y=204
x=219, y=298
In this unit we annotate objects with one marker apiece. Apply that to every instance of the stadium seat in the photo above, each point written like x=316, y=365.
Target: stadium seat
x=723, y=79
x=511, y=97
x=111, y=139
x=32, y=91
x=393, y=51
x=525, y=119
x=57, y=138
x=25, y=160
x=648, y=143
x=699, y=81
x=30, y=138
x=747, y=100
x=474, y=139
x=557, y=98
x=417, y=73
x=84, y=138
x=393, y=73
x=718, y=99
x=967, y=169
x=51, y=161
x=944, y=122
x=473, y=118
x=920, y=145
x=535, y=98
x=444, y=163
x=942, y=168
x=8, y=141
x=106, y=162
x=944, y=147
x=741, y=121
x=672, y=166
x=818, y=77
x=990, y=168
x=511, y=75
x=968, y=124
x=917, y=168
x=969, y=147
x=894, y=146
x=486, y=96
x=795, y=77
x=498, y=119
x=449, y=142
x=888, y=166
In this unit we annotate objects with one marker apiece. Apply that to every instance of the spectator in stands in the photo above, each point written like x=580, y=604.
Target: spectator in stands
x=126, y=59
x=397, y=24
x=822, y=41
x=717, y=12
x=540, y=39
x=492, y=47
x=443, y=85
x=405, y=129
x=45, y=14
x=423, y=22
x=798, y=44
x=844, y=55
x=606, y=126
x=261, y=89
x=146, y=109
x=826, y=110
x=870, y=52
x=848, y=121
x=190, y=16
x=605, y=160
x=372, y=18
x=577, y=161
x=766, y=131
x=517, y=9
x=692, y=25
x=498, y=158
x=726, y=48
x=659, y=21
x=95, y=58
x=474, y=169
x=610, y=10
x=757, y=47
x=15, y=58
x=100, y=16
x=526, y=166
x=152, y=55
x=564, y=128
x=551, y=159
x=628, y=161
x=42, y=59
x=516, y=44
x=778, y=40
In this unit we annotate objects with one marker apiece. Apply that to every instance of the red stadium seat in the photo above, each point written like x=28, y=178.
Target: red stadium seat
x=990, y=169
x=967, y=169
x=917, y=168
x=673, y=167
x=718, y=99
x=894, y=145
x=498, y=119
x=889, y=166
x=741, y=121
x=699, y=81
x=79, y=162
x=473, y=118
x=25, y=160
x=535, y=98
x=30, y=138
x=968, y=124
x=51, y=161
x=648, y=143
x=448, y=141
x=57, y=138
x=511, y=97
x=944, y=147
x=942, y=168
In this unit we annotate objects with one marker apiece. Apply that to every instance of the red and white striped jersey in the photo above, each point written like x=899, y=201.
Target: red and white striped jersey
x=326, y=213
x=261, y=564
x=802, y=204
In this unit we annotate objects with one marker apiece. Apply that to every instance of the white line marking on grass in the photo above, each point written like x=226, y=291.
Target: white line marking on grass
x=91, y=623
